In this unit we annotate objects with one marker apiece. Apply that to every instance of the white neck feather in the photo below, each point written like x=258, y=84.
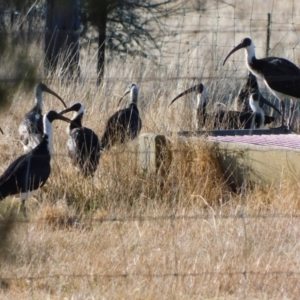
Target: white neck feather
x=48, y=131
x=257, y=109
x=39, y=98
x=255, y=106
x=201, y=98
x=250, y=53
x=80, y=111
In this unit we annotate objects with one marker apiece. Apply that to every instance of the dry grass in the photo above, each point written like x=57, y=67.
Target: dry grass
x=126, y=234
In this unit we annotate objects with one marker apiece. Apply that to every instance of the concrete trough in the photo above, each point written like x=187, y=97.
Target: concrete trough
x=257, y=157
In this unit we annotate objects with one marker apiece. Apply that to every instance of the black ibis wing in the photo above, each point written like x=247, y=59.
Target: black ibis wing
x=123, y=124
x=282, y=76
x=17, y=165
x=115, y=122
x=84, y=149
x=139, y=125
x=28, y=172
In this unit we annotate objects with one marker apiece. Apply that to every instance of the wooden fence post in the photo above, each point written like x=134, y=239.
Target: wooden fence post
x=154, y=155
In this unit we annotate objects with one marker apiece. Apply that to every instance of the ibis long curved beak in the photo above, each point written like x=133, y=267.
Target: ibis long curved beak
x=71, y=108
x=52, y=115
x=48, y=90
x=126, y=92
x=238, y=47
x=60, y=117
x=198, y=87
x=267, y=102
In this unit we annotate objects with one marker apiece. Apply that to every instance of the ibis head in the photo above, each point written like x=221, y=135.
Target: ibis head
x=246, y=43
x=52, y=115
x=134, y=91
x=196, y=88
x=40, y=88
x=77, y=107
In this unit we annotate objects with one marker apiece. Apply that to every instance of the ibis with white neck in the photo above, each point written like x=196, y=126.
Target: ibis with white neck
x=124, y=124
x=83, y=144
x=280, y=75
x=225, y=118
x=30, y=171
x=242, y=101
x=31, y=127
x=201, y=114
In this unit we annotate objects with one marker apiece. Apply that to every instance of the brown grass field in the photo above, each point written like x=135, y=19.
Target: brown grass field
x=125, y=234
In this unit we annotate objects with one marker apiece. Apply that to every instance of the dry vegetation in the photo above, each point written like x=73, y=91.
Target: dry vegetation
x=126, y=234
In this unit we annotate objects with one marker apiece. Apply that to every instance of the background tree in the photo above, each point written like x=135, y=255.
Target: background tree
x=62, y=36
x=126, y=26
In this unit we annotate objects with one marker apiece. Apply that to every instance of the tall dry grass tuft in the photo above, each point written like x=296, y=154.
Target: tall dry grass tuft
x=56, y=216
x=196, y=175
x=192, y=177
x=280, y=198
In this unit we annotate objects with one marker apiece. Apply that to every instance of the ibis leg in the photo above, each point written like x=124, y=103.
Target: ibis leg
x=283, y=112
x=253, y=121
x=291, y=116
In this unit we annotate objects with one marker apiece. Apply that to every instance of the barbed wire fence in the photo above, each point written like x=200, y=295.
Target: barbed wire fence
x=243, y=270
x=221, y=25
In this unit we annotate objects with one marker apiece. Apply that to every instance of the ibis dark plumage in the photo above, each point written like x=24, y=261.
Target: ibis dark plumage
x=225, y=118
x=30, y=171
x=83, y=144
x=242, y=101
x=31, y=127
x=124, y=124
x=280, y=75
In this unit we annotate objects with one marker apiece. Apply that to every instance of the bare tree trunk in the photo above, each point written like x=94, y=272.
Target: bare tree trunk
x=62, y=36
x=101, y=41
